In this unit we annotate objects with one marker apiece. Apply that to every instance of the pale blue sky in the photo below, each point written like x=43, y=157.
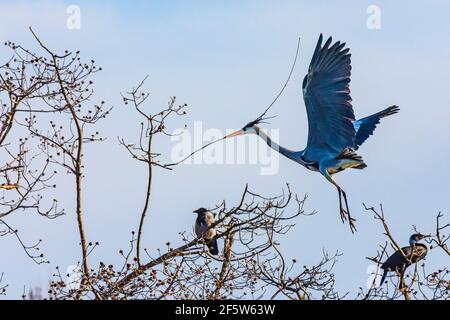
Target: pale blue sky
x=227, y=60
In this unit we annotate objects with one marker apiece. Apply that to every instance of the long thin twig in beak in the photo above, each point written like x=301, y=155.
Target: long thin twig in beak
x=206, y=145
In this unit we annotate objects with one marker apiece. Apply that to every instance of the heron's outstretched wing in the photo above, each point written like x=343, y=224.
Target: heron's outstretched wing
x=364, y=127
x=327, y=98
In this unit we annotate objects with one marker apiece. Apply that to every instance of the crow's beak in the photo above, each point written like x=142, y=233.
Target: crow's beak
x=234, y=134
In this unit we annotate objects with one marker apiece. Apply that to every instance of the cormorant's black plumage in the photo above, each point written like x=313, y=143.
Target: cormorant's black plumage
x=399, y=262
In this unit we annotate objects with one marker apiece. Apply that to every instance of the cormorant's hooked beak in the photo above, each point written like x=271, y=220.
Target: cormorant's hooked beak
x=234, y=134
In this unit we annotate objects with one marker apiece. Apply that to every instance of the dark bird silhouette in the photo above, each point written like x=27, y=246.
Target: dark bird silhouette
x=399, y=262
x=202, y=229
x=334, y=134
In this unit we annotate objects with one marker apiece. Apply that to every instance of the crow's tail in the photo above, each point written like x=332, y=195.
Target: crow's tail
x=212, y=245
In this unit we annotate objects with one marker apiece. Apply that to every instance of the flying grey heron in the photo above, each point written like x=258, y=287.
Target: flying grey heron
x=412, y=254
x=202, y=229
x=333, y=132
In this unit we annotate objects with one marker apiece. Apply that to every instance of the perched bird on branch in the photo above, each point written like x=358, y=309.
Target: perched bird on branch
x=398, y=262
x=334, y=134
x=202, y=229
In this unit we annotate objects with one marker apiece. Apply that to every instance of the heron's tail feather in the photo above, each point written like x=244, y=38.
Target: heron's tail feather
x=349, y=154
x=212, y=245
x=366, y=126
x=361, y=166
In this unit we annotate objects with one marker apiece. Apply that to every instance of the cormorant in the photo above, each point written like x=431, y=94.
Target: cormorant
x=413, y=253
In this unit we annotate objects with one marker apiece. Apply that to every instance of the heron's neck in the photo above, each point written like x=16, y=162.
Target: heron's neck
x=275, y=146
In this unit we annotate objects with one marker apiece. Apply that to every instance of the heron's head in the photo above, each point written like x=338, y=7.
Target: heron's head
x=200, y=211
x=416, y=237
x=249, y=128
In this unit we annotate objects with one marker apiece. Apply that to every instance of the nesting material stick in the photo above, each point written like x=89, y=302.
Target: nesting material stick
x=206, y=145
x=260, y=117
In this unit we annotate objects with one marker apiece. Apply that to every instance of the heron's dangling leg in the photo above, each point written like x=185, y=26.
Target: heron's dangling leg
x=344, y=213
x=341, y=209
x=351, y=221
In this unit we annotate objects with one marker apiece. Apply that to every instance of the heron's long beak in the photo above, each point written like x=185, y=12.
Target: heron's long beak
x=234, y=134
